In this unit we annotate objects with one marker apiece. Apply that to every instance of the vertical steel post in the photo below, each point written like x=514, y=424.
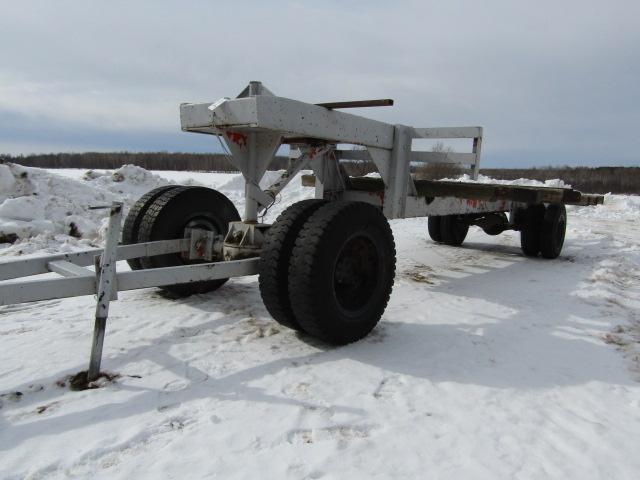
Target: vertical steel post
x=107, y=289
x=477, y=146
x=399, y=183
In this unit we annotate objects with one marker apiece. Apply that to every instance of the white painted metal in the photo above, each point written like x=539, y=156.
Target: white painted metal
x=445, y=157
x=290, y=118
x=400, y=184
x=300, y=162
x=36, y=265
x=68, y=269
x=258, y=113
x=425, y=207
x=477, y=147
x=159, y=277
x=63, y=287
x=107, y=288
x=252, y=153
x=448, y=132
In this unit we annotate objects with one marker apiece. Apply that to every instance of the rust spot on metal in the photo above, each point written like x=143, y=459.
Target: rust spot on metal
x=238, y=138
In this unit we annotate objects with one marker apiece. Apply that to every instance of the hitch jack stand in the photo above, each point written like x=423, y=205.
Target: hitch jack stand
x=107, y=290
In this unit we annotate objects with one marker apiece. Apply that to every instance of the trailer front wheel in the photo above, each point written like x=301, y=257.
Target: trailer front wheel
x=341, y=271
x=176, y=210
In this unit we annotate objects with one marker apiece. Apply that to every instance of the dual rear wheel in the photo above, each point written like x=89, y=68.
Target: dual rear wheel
x=448, y=229
x=327, y=269
x=542, y=229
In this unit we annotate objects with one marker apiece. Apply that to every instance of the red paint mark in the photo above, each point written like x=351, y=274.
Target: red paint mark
x=239, y=139
x=472, y=202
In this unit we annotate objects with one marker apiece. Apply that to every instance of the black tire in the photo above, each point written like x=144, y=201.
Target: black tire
x=552, y=231
x=341, y=271
x=435, y=229
x=173, y=211
x=454, y=230
x=529, y=221
x=275, y=258
x=134, y=217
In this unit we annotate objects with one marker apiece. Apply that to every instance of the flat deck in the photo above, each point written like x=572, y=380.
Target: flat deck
x=479, y=191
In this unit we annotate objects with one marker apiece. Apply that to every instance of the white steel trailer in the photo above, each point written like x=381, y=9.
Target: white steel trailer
x=326, y=266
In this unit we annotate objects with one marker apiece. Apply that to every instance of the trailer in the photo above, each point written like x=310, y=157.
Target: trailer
x=326, y=265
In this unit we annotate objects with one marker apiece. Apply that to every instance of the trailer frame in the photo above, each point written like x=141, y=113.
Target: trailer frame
x=254, y=125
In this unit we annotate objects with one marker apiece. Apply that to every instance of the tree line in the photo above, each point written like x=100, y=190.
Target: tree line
x=210, y=162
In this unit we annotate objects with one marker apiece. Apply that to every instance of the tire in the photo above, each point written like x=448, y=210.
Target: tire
x=454, y=230
x=530, y=220
x=435, y=229
x=134, y=217
x=341, y=271
x=275, y=258
x=552, y=231
x=173, y=211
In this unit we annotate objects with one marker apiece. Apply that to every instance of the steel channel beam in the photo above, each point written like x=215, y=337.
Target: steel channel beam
x=50, y=288
x=33, y=266
x=289, y=117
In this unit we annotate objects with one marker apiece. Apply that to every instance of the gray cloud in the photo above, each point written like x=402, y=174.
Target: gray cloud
x=551, y=82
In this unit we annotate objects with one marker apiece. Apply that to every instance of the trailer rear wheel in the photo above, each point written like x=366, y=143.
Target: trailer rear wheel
x=454, y=229
x=275, y=258
x=529, y=221
x=552, y=230
x=175, y=210
x=434, y=227
x=134, y=217
x=341, y=271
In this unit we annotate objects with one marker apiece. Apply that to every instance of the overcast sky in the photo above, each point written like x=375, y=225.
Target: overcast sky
x=554, y=82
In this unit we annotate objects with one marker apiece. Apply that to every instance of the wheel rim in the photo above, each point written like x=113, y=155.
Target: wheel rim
x=355, y=274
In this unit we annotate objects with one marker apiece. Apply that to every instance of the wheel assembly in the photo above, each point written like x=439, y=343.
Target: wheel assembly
x=542, y=229
x=341, y=271
x=172, y=214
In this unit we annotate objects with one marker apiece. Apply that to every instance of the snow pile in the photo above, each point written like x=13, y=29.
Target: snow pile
x=555, y=183
x=40, y=209
x=619, y=207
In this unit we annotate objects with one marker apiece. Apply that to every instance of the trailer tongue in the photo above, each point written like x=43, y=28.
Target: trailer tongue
x=326, y=265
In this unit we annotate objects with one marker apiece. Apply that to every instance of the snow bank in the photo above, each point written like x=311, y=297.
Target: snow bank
x=41, y=209
x=556, y=182
x=486, y=364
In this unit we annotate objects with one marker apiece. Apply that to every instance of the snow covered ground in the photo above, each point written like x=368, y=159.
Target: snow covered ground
x=485, y=365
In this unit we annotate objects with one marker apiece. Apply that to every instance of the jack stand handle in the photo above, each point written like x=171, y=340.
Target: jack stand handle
x=107, y=288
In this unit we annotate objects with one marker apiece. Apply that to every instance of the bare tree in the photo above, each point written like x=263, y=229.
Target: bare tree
x=436, y=171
